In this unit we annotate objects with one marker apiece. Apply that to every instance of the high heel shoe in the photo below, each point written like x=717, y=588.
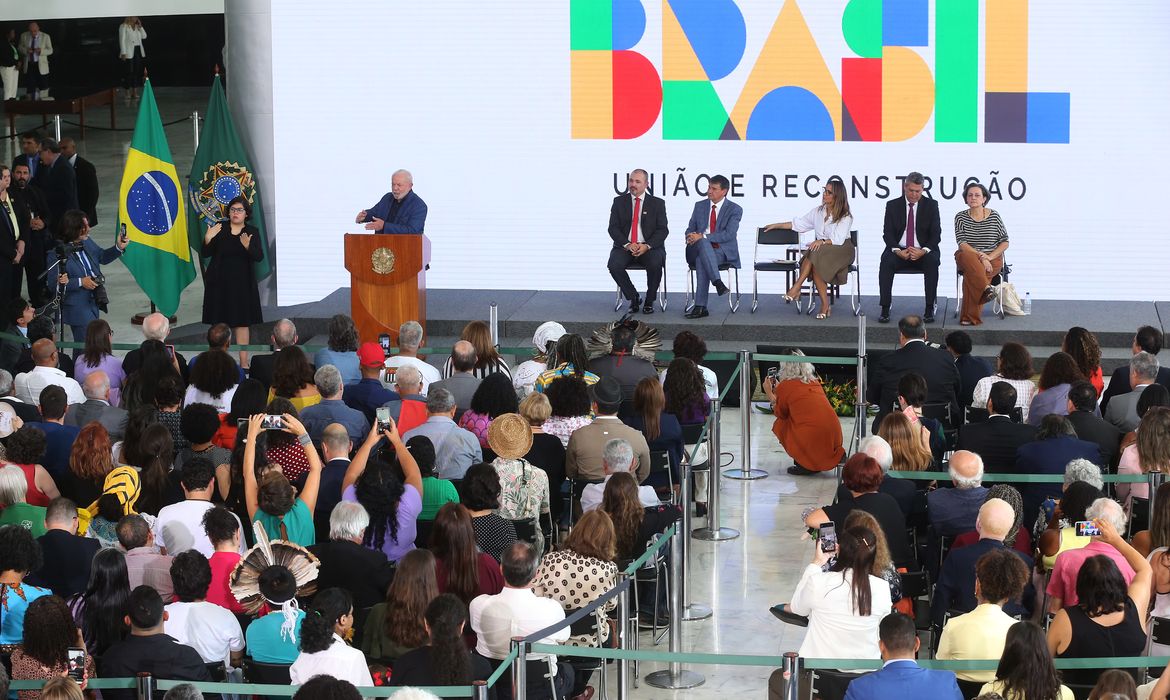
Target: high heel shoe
x=825, y=312
x=788, y=299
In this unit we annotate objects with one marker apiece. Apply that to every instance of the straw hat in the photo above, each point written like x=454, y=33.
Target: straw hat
x=509, y=436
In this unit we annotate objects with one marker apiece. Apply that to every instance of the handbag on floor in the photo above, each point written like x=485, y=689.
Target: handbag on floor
x=1010, y=299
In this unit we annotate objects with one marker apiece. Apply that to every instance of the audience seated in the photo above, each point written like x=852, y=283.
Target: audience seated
x=460, y=568
x=1151, y=453
x=409, y=410
x=584, y=459
x=689, y=345
x=223, y=530
x=957, y=579
x=571, y=361
x=368, y=394
x=971, y=368
x=260, y=367
x=524, y=490
x=1018, y=537
x=686, y=396
x=1025, y=670
x=1122, y=410
x=435, y=492
x=67, y=555
x=634, y=524
x=903, y=491
x=900, y=675
x=1000, y=577
x=1147, y=339
x=544, y=340
x=456, y=448
x=661, y=429
x=144, y=564
x=908, y=441
x=17, y=511
x=998, y=438
x=148, y=648
x=332, y=409
x=28, y=385
x=323, y=647
x=20, y=553
x=396, y=624
x=275, y=638
x=481, y=496
x=547, y=451
x=410, y=339
x=119, y=498
x=487, y=358
x=209, y=629
x=1158, y=536
x=445, y=660
x=935, y=365
x=1059, y=374
x=462, y=380
x=25, y=449
x=1014, y=366
x=1060, y=535
x=1090, y=426
x=862, y=477
x=345, y=563
x=214, y=379
x=198, y=424
x=493, y=398
x=954, y=511
x=179, y=526
x=569, y=407
x=340, y=351
x=1056, y=445
x=1064, y=586
x=1113, y=684
x=271, y=499
x=59, y=437
x=292, y=379
x=98, y=407
x=389, y=486
x=99, y=611
x=617, y=458
x=250, y=398
x=806, y=424
x=621, y=364
x=580, y=572
x=27, y=412
x=1082, y=346
x=49, y=632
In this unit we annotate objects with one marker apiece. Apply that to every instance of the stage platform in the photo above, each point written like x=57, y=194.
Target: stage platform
x=774, y=323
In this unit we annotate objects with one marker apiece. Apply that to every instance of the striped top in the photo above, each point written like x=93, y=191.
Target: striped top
x=984, y=235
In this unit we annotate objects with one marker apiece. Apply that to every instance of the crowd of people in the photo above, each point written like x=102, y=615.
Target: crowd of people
x=1072, y=567
x=200, y=519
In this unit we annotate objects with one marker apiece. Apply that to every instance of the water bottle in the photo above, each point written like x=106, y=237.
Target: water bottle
x=1027, y=303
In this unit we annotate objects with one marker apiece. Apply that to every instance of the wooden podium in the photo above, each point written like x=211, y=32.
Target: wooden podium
x=387, y=277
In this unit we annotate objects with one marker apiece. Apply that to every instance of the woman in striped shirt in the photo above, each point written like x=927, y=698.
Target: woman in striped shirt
x=982, y=240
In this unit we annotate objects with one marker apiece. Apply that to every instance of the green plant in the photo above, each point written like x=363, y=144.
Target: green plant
x=842, y=396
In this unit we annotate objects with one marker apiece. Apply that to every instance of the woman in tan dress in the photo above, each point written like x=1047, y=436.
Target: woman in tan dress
x=806, y=424
x=829, y=255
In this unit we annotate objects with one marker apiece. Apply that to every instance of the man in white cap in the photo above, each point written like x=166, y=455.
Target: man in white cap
x=544, y=340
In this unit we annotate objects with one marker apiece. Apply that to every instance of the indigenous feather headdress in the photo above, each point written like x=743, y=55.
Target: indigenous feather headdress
x=262, y=561
x=646, y=339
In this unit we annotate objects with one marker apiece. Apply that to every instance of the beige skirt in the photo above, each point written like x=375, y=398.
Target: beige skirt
x=832, y=262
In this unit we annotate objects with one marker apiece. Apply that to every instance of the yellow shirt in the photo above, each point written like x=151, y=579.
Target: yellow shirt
x=11, y=211
x=997, y=687
x=298, y=402
x=979, y=634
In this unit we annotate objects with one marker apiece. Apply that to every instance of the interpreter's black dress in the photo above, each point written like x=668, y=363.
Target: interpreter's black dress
x=230, y=295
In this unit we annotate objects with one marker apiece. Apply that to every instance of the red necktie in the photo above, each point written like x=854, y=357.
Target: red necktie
x=910, y=228
x=634, y=223
x=711, y=226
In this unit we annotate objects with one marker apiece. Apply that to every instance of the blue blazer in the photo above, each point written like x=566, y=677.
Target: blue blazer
x=904, y=679
x=79, y=307
x=409, y=218
x=726, y=226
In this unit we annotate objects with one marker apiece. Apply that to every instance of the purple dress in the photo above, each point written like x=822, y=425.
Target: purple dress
x=109, y=364
x=409, y=506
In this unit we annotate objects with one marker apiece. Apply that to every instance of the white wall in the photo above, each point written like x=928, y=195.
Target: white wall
x=76, y=9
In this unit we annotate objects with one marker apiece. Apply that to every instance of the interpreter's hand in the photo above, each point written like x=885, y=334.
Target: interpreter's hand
x=88, y=283
x=292, y=425
x=245, y=239
x=213, y=230
x=62, y=278
x=254, y=423
x=37, y=223
x=360, y=217
x=376, y=224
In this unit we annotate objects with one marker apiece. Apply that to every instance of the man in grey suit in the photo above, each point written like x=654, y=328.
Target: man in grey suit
x=462, y=383
x=585, y=455
x=711, y=241
x=97, y=407
x=1122, y=411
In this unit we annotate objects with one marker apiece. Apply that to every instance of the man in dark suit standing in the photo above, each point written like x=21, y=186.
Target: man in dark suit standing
x=637, y=225
x=912, y=234
x=997, y=438
x=30, y=152
x=57, y=180
x=913, y=355
x=1082, y=403
x=87, y=179
x=32, y=201
x=1148, y=339
x=711, y=242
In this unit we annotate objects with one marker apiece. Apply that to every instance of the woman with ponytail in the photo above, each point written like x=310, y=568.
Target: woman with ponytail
x=446, y=660
x=327, y=624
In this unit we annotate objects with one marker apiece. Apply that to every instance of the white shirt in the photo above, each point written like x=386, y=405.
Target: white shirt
x=28, y=385
x=710, y=381
x=429, y=372
x=129, y=38
x=835, y=631
x=207, y=628
x=340, y=661
x=514, y=612
x=222, y=403
x=634, y=207
x=591, y=495
x=836, y=232
x=1025, y=392
x=179, y=527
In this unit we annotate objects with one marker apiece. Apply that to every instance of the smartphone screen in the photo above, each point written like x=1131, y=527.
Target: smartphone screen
x=1086, y=528
x=171, y=351
x=828, y=537
x=273, y=422
x=76, y=661
x=384, y=341
x=382, y=413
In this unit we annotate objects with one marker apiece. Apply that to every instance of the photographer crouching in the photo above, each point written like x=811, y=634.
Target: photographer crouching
x=80, y=287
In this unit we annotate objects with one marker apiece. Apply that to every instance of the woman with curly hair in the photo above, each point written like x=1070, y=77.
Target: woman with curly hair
x=488, y=360
x=571, y=361
x=689, y=345
x=213, y=380
x=459, y=567
x=686, y=397
x=1059, y=374
x=481, y=495
x=98, y=355
x=324, y=631
x=493, y=397
x=49, y=632
x=100, y=610
x=157, y=454
x=25, y=449
x=1082, y=346
x=396, y=626
x=445, y=660
x=20, y=554
x=569, y=407
x=292, y=378
x=271, y=500
x=906, y=443
x=168, y=407
x=341, y=351
x=1014, y=366
x=393, y=503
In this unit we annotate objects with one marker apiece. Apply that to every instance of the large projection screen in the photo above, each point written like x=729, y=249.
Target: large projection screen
x=519, y=119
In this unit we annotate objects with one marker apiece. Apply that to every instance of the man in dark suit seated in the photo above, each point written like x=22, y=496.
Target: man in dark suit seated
x=901, y=676
x=637, y=225
x=260, y=367
x=912, y=235
x=345, y=563
x=1056, y=445
x=954, y=510
x=1082, y=413
x=97, y=407
x=67, y=556
x=935, y=365
x=335, y=450
x=971, y=368
x=40, y=328
x=1148, y=339
x=997, y=439
x=1122, y=411
x=956, y=580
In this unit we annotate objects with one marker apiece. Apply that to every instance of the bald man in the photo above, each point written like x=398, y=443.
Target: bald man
x=953, y=511
x=87, y=179
x=336, y=447
x=956, y=581
x=97, y=407
x=44, y=372
x=462, y=383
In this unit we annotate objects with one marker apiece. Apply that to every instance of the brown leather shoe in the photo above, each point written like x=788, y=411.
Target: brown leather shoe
x=585, y=694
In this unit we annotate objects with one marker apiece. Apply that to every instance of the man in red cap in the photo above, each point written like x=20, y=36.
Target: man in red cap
x=368, y=394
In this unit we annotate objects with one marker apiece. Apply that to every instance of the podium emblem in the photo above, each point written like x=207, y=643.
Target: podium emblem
x=382, y=260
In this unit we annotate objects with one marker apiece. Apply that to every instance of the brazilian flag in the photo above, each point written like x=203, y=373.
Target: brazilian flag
x=150, y=206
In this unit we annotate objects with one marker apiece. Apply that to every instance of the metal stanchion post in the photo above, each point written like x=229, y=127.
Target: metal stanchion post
x=745, y=472
x=676, y=677
x=494, y=323
x=714, y=533
x=145, y=686
x=57, y=127
x=519, y=669
x=791, y=671
x=624, y=635
x=195, y=126
x=1155, y=480
x=691, y=611
x=481, y=690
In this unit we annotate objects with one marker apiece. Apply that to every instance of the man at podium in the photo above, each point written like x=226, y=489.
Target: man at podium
x=399, y=211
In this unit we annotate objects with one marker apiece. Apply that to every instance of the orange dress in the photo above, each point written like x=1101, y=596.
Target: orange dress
x=806, y=425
